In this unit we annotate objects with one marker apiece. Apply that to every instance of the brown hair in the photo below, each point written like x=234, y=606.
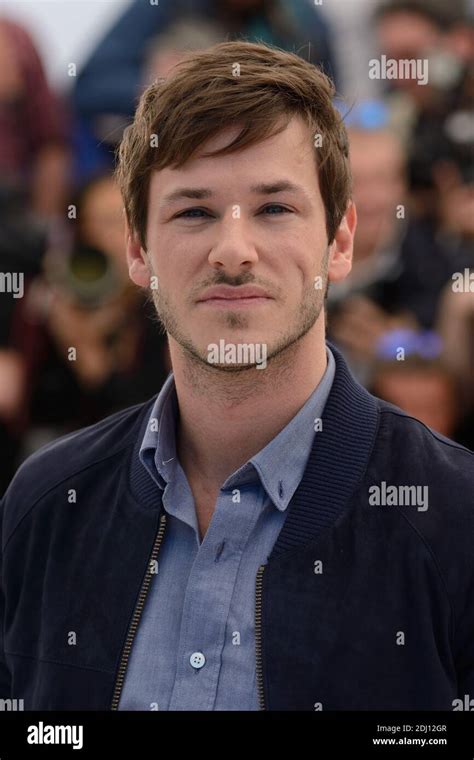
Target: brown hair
x=204, y=96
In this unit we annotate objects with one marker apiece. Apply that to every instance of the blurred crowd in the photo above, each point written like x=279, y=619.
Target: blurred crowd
x=78, y=341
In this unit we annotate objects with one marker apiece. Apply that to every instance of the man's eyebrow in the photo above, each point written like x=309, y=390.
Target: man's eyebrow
x=262, y=188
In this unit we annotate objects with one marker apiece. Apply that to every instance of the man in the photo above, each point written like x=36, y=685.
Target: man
x=263, y=533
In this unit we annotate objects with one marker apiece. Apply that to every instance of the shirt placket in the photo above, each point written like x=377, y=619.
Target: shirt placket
x=207, y=602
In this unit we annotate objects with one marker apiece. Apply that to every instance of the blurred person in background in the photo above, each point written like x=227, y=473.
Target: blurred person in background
x=12, y=378
x=85, y=333
x=34, y=137
x=455, y=325
x=170, y=47
x=438, y=120
x=454, y=204
x=34, y=160
x=354, y=46
x=434, y=118
x=111, y=81
x=419, y=381
x=419, y=29
x=400, y=266
x=22, y=246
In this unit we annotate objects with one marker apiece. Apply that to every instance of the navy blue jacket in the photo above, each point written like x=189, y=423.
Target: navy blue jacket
x=358, y=607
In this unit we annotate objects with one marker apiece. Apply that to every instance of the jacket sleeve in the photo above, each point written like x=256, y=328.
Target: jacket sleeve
x=464, y=637
x=109, y=81
x=5, y=677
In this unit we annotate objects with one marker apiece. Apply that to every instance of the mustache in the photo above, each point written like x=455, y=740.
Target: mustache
x=222, y=278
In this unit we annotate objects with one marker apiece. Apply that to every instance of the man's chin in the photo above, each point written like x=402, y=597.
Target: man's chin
x=243, y=350
x=233, y=368
x=233, y=354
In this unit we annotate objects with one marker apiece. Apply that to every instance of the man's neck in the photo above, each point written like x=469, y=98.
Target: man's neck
x=227, y=417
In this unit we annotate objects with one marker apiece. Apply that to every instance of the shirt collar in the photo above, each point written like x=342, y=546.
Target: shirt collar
x=158, y=448
x=282, y=462
x=279, y=465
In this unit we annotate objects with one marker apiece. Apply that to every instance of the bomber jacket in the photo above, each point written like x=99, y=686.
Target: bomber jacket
x=364, y=603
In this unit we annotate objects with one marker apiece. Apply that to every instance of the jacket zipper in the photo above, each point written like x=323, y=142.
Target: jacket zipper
x=139, y=609
x=258, y=636
x=137, y=615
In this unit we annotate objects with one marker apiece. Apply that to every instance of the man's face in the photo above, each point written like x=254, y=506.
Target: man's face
x=377, y=163
x=405, y=35
x=242, y=229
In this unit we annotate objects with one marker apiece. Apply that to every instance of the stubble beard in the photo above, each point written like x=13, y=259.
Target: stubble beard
x=279, y=354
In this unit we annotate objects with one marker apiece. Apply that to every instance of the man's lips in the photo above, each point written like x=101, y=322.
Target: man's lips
x=234, y=303
x=225, y=295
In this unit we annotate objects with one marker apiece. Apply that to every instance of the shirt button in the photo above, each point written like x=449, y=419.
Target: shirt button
x=197, y=660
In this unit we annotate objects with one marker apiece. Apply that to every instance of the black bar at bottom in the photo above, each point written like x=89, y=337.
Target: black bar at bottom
x=374, y=734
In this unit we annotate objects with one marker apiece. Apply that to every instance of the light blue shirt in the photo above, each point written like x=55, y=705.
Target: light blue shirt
x=195, y=645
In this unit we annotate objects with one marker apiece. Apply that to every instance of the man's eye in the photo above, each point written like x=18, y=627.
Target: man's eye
x=278, y=207
x=191, y=213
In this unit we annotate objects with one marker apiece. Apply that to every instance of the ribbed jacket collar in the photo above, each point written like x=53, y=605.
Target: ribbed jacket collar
x=336, y=463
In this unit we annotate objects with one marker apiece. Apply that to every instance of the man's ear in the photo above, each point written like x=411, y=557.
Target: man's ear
x=138, y=268
x=341, y=248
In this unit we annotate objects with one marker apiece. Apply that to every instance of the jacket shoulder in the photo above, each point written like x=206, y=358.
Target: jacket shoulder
x=408, y=435
x=67, y=456
x=408, y=453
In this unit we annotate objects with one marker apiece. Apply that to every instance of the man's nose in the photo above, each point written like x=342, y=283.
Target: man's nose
x=233, y=249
